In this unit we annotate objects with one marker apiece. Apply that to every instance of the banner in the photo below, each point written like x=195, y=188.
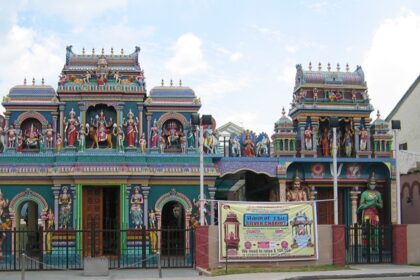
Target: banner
x=267, y=231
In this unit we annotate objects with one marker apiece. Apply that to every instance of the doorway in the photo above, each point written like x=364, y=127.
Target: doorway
x=173, y=229
x=27, y=234
x=101, y=220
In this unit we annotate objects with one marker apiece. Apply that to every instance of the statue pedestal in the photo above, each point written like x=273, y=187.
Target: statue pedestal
x=70, y=149
x=308, y=153
x=130, y=149
x=154, y=150
x=363, y=154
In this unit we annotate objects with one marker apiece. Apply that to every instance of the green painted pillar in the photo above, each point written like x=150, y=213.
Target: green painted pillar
x=79, y=218
x=123, y=218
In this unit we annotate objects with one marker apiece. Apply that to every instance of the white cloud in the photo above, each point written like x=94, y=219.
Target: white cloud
x=215, y=88
x=235, y=56
x=392, y=62
x=24, y=53
x=188, y=57
x=287, y=75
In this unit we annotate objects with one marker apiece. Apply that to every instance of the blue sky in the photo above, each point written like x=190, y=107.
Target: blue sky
x=238, y=56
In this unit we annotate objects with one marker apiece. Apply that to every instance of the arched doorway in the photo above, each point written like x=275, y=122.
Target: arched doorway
x=173, y=229
x=27, y=227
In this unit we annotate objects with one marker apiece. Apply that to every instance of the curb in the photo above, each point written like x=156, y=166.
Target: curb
x=203, y=271
x=361, y=275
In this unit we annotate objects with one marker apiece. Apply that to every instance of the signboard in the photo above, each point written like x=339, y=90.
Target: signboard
x=267, y=231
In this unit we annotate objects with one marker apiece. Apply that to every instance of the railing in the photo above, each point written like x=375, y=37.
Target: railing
x=368, y=243
x=66, y=249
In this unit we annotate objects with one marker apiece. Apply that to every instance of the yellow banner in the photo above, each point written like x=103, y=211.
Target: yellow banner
x=267, y=231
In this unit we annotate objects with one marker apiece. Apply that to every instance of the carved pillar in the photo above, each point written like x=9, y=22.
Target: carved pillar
x=149, y=129
x=61, y=108
x=6, y=126
x=120, y=114
x=146, y=190
x=140, y=116
x=282, y=189
x=82, y=114
x=302, y=140
x=56, y=192
x=127, y=202
x=356, y=139
x=74, y=195
x=315, y=138
x=354, y=194
x=212, y=192
x=54, y=126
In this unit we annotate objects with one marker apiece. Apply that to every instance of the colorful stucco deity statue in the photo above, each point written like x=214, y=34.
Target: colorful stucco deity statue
x=71, y=128
x=248, y=146
x=142, y=143
x=64, y=203
x=363, y=134
x=130, y=129
x=370, y=203
x=136, y=208
x=307, y=136
x=348, y=140
x=296, y=193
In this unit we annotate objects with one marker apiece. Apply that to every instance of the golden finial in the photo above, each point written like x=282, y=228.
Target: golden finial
x=180, y=83
x=122, y=51
x=112, y=51
x=83, y=51
x=283, y=112
x=42, y=81
x=310, y=66
x=319, y=66
x=102, y=51
x=171, y=83
x=347, y=67
x=33, y=81
x=338, y=67
x=162, y=82
x=329, y=67
x=93, y=51
x=24, y=81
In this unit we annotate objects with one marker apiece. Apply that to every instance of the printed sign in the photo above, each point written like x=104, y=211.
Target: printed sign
x=267, y=231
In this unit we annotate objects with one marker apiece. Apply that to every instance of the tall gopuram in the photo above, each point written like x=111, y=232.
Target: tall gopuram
x=322, y=100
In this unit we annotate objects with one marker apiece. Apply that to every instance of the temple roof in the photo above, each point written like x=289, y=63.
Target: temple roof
x=313, y=77
x=284, y=120
x=114, y=62
x=35, y=91
x=164, y=92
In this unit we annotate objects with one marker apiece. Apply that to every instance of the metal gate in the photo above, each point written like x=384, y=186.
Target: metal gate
x=66, y=249
x=368, y=244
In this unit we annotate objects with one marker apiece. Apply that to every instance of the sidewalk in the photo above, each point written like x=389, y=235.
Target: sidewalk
x=356, y=271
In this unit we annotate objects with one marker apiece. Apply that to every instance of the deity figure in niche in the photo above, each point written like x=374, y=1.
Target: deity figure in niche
x=154, y=138
x=11, y=137
x=136, y=208
x=64, y=203
x=142, y=143
x=191, y=139
x=307, y=135
x=324, y=142
x=49, y=135
x=130, y=129
x=296, y=193
x=31, y=137
x=363, y=134
x=83, y=132
x=348, y=140
x=71, y=128
x=101, y=130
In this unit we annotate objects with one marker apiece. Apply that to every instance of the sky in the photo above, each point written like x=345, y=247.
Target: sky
x=238, y=56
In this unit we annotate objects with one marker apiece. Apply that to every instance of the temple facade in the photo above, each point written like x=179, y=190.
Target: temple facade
x=100, y=151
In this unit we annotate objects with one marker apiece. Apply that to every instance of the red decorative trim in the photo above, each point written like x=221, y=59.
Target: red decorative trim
x=31, y=115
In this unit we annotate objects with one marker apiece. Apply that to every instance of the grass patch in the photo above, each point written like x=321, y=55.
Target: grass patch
x=257, y=269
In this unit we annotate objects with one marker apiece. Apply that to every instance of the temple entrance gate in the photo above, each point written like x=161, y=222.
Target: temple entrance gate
x=366, y=243
x=101, y=220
